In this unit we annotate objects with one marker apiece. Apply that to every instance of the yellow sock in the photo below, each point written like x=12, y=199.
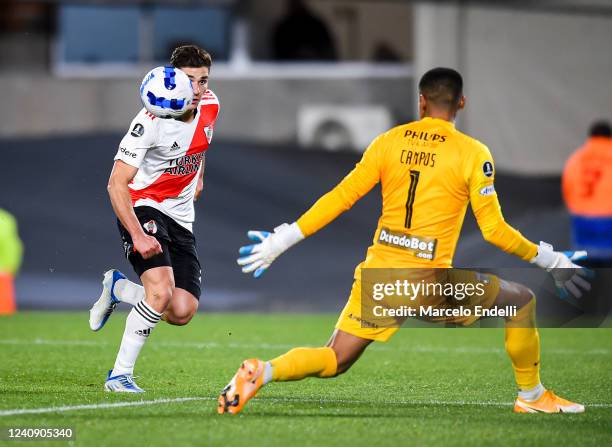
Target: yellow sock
x=523, y=347
x=304, y=362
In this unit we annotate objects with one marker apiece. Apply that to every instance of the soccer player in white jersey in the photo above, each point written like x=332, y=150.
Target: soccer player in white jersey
x=157, y=175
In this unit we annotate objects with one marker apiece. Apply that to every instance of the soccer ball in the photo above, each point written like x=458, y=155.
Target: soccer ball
x=166, y=92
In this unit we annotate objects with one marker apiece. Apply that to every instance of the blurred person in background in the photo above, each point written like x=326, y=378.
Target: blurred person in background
x=587, y=192
x=157, y=175
x=301, y=35
x=11, y=250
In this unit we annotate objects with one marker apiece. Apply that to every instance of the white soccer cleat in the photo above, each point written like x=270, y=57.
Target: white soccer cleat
x=104, y=307
x=123, y=383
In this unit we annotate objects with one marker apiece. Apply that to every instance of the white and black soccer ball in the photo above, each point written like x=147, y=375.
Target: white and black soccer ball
x=166, y=92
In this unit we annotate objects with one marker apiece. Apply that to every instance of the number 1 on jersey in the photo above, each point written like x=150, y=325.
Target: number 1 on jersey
x=414, y=180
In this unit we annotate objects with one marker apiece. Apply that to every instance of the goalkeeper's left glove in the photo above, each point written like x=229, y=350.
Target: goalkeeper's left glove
x=567, y=275
x=258, y=257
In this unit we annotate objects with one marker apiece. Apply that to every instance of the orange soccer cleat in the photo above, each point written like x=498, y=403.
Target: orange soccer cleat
x=549, y=402
x=243, y=386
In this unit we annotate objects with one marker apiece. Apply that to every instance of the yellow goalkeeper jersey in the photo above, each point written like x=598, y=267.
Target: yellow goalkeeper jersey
x=429, y=171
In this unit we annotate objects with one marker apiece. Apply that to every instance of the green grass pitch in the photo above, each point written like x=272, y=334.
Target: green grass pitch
x=424, y=387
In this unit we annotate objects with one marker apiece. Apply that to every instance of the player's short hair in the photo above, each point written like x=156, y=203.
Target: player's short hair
x=190, y=56
x=600, y=129
x=442, y=86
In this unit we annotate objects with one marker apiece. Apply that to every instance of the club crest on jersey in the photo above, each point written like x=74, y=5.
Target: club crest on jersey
x=208, y=131
x=487, y=169
x=150, y=226
x=138, y=130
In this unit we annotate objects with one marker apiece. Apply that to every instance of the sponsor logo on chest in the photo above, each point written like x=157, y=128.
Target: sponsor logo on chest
x=175, y=143
x=185, y=165
x=419, y=246
x=181, y=149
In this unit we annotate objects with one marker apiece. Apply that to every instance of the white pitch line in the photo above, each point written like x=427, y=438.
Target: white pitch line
x=141, y=403
x=98, y=406
x=378, y=347
x=40, y=341
x=409, y=402
x=388, y=403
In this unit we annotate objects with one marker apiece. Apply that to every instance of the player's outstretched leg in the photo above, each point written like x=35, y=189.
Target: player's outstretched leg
x=523, y=347
x=342, y=351
x=254, y=373
x=250, y=377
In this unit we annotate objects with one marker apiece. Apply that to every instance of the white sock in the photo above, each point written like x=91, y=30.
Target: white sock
x=533, y=394
x=129, y=292
x=140, y=321
x=267, y=378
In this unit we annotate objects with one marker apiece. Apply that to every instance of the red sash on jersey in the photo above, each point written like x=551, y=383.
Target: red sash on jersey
x=168, y=185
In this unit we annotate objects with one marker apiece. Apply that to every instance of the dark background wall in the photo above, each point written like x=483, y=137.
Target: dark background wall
x=56, y=187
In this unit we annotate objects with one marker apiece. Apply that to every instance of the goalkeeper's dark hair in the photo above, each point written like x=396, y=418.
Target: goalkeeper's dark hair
x=600, y=129
x=443, y=87
x=190, y=56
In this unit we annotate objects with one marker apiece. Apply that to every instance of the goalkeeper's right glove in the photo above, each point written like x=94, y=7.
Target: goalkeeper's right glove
x=568, y=277
x=258, y=257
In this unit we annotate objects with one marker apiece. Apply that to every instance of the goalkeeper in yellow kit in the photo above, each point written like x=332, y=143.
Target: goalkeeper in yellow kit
x=429, y=172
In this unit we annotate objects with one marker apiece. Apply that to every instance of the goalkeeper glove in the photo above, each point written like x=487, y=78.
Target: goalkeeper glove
x=258, y=257
x=568, y=276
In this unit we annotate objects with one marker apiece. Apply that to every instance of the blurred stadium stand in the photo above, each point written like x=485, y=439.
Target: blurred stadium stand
x=526, y=66
x=536, y=73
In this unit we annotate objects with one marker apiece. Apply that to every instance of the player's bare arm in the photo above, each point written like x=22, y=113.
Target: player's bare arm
x=121, y=175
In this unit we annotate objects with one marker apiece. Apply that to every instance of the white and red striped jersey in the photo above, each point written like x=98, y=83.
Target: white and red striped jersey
x=168, y=154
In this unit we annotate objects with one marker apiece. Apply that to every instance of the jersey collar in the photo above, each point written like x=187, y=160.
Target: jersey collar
x=439, y=121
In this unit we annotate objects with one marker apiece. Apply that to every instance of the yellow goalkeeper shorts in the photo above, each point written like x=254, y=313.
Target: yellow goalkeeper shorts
x=358, y=319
